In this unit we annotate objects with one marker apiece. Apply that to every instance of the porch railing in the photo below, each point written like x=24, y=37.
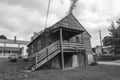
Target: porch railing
x=49, y=52
x=67, y=47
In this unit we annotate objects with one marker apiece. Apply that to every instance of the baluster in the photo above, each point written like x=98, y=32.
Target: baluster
x=47, y=53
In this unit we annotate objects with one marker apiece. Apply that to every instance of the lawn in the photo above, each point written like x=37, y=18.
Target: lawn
x=12, y=71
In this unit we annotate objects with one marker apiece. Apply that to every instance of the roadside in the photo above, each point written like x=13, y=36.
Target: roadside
x=117, y=62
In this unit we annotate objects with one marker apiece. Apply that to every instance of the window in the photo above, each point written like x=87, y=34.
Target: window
x=39, y=45
x=77, y=39
x=32, y=49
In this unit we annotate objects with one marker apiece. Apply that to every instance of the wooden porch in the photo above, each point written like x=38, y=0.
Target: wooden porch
x=55, y=48
x=60, y=46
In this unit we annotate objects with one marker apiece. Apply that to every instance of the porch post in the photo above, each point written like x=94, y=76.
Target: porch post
x=86, y=59
x=61, y=41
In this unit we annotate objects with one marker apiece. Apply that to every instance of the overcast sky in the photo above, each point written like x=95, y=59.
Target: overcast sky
x=23, y=17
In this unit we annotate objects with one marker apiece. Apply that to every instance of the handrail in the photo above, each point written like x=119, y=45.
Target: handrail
x=47, y=51
x=33, y=55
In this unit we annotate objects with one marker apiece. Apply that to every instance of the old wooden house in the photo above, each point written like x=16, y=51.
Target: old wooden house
x=66, y=44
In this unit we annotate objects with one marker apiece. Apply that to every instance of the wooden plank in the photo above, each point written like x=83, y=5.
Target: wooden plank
x=52, y=50
x=49, y=58
x=54, y=54
x=42, y=56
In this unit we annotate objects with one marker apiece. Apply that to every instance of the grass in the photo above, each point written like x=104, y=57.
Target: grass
x=12, y=71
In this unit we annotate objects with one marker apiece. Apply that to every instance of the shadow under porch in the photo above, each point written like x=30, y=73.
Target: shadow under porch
x=71, y=60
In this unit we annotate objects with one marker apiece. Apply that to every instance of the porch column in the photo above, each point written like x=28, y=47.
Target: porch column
x=61, y=41
x=86, y=59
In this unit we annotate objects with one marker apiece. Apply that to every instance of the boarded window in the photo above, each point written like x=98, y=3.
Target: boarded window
x=79, y=38
x=32, y=49
x=38, y=45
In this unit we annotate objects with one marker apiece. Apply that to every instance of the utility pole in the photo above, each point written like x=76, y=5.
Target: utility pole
x=100, y=41
x=47, y=14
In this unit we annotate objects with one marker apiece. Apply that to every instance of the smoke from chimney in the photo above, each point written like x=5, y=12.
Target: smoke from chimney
x=73, y=5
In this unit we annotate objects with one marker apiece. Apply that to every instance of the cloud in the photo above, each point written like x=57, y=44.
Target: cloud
x=34, y=4
x=21, y=21
x=97, y=14
x=23, y=17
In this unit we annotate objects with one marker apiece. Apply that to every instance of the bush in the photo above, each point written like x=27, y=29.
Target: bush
x=94, y=63
x=13, y=60
x=26, y=59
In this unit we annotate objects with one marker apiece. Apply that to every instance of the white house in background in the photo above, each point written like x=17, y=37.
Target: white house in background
x=15, y=47
x=107, y=50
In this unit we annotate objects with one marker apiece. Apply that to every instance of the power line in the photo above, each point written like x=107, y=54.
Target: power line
x=47, y=14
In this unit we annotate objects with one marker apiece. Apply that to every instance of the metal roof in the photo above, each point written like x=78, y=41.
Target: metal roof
x=13, y=41
x=10, y=48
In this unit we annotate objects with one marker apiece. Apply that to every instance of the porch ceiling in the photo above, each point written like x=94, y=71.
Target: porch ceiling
x=67, y=32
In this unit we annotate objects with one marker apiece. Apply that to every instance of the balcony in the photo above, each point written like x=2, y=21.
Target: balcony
x=72, y=47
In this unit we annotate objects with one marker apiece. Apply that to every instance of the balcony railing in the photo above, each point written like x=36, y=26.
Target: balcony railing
x=72, y=47
x=67, y=47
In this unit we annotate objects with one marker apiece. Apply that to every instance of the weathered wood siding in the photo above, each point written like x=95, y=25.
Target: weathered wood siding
x=87, y=43
x=44, y=40
x=84, y=39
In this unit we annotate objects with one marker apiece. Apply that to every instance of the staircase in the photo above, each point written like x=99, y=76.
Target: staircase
x=46, y=54
x=52, y=50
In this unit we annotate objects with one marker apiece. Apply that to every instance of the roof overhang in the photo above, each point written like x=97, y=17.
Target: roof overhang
x=67, y=32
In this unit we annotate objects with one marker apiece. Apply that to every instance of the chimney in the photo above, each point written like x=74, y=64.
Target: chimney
x=15, y=38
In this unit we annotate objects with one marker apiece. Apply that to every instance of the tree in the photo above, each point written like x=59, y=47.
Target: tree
x=114, y=38
x=113, y=30
x=107, y=41
x=3, y=37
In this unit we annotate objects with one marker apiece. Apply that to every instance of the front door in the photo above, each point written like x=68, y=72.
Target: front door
x=67, y=60
x=75, y=62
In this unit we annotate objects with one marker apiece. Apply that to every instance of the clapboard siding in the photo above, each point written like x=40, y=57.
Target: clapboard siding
x=86, y=41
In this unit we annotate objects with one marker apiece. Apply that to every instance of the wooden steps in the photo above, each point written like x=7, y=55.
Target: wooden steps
x=52, y=50
x=46, y=54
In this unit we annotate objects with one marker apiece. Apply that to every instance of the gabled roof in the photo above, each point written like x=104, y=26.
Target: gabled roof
x=69, y=22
